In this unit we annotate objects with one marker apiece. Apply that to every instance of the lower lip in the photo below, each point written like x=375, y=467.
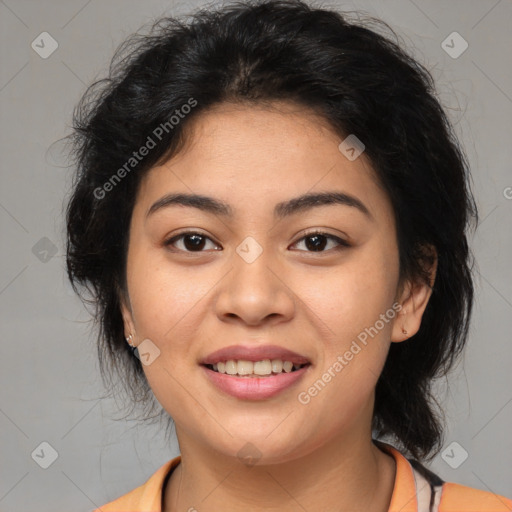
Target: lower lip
x=254, y=388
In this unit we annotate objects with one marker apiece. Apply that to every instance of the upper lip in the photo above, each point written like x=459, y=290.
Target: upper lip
x=259, y=353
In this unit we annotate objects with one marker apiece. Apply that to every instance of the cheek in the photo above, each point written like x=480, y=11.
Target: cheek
x=353, y=306
x=165, y=300
x=352, y=295
x=165, y=303
x=349, y=304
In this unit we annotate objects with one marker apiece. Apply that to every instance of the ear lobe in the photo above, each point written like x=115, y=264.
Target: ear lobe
x=414, y=300
x=129, y=327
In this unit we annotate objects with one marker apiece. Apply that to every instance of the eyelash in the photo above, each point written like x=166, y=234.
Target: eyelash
x=342, y=243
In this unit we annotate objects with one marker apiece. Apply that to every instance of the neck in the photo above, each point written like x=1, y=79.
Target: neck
x=340, y=475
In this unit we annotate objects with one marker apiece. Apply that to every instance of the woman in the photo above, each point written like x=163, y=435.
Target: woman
x=270, y=213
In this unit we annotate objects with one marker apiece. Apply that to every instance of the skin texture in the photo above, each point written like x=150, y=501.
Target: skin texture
x=319, y=455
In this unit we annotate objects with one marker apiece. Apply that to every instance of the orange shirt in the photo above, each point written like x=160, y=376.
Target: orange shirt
x=408, y=493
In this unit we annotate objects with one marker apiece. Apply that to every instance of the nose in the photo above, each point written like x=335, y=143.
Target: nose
x=255, y=292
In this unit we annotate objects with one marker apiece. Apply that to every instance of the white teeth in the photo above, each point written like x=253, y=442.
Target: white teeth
x=245, y=367
x=277, y=365
x=231, y=367
x=261, y=368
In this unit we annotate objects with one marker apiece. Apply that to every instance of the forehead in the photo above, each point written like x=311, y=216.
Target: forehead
x=257, y=156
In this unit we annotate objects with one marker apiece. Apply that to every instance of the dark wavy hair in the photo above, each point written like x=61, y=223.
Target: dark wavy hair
x=361, y=82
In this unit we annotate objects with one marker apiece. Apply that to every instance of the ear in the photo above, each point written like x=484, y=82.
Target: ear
x=126, y=311
x=414, y=297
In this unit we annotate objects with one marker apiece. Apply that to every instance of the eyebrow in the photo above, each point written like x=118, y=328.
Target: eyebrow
x=284, y=209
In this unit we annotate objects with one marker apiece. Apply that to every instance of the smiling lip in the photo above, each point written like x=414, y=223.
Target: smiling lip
x=254, y=388
x=259, y=353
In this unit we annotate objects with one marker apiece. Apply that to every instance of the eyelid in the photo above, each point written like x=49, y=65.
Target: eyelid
x=168, y=241
x=342, y=243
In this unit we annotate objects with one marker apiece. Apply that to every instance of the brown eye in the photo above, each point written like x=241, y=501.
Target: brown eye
x=191, y=241
x=317, y=241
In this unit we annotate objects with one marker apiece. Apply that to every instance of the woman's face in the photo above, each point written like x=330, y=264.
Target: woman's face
x=255, y=278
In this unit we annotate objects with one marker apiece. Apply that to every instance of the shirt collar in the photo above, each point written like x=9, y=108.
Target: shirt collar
x=403, y=499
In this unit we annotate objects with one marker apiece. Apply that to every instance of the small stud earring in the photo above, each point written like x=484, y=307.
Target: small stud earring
x=403, y=312
x=129, y=339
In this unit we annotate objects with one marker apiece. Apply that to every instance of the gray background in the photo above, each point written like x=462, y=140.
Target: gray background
x=49, y=380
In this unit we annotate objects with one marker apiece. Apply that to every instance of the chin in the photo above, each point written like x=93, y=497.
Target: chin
x=255, y=448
